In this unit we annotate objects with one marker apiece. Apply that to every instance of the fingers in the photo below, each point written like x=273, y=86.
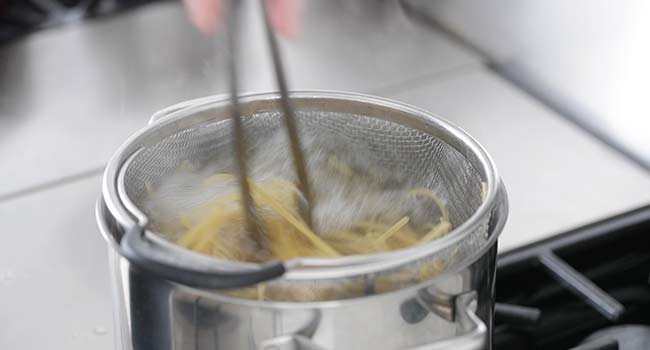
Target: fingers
x=284, y=16
x=204, y=14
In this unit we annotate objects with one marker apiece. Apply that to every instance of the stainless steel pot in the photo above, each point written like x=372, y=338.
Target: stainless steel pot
x=168, y=298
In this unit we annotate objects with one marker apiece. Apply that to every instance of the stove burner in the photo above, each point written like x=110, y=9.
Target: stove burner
x=588, y=286
x=629, y=337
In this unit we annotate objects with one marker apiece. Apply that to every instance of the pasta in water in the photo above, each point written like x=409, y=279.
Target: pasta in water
x=357, y=209
x=217, y=229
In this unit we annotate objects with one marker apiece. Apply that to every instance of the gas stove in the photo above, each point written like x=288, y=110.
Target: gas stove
x=586, y=289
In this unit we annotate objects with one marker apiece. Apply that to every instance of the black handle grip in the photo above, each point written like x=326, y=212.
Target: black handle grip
x=516, y=314
x=141, y=254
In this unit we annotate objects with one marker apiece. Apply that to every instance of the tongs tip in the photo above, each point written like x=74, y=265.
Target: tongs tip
x=252, y=222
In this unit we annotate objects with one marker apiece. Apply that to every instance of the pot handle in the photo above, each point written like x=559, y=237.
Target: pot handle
x=472, y=331
x=140, y=252
x=300, y=340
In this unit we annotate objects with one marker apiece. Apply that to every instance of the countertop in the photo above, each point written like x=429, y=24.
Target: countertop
x=71, y=95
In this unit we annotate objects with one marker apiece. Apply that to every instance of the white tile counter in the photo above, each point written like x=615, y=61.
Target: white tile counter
x=558, y=177
x=54, y=283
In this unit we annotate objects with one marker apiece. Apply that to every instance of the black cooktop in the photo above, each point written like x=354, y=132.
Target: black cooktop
x=584, y=289
x=21, y=17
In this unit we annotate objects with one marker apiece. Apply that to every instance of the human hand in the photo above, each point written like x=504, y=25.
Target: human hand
x=206, y=15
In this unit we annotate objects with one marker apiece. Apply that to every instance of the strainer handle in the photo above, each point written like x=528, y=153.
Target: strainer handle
x=181, y=106
x=140, y=252
x=473, y=337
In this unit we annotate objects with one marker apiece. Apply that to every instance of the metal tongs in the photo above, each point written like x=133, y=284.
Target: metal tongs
x=233, y=15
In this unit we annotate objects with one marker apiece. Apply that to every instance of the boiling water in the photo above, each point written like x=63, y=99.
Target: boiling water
x=347, y=187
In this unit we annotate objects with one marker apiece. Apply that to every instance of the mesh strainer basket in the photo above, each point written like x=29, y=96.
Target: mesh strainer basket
x=407, y=143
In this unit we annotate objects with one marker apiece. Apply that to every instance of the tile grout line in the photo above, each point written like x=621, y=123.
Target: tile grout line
x=427, y=80
x=397, y=87
x=50, y=184
x=386, y=90
x=570, y=116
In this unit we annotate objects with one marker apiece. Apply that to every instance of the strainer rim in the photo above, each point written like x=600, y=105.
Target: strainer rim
x=327, y=268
